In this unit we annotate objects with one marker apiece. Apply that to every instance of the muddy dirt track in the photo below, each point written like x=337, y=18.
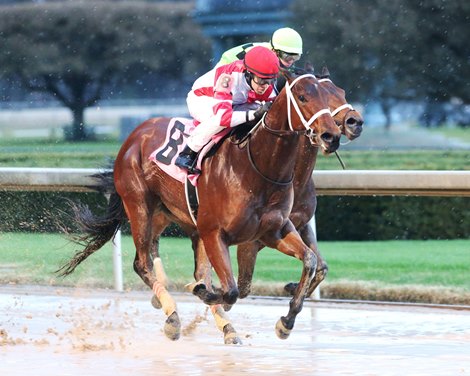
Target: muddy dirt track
x=46, y=331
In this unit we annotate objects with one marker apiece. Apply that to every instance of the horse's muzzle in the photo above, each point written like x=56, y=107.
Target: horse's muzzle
x=353, y=125
x=330, y=142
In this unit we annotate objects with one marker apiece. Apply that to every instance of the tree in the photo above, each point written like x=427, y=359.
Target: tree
x=75, y=50
x=387, y=51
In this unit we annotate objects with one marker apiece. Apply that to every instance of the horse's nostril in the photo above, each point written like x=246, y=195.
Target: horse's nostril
x=328, y=137
x=354, y=121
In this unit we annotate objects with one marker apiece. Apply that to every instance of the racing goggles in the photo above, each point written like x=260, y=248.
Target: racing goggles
x=287, y=57
x=262, y=81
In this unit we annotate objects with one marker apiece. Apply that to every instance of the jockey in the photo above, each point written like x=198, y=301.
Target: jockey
x=285, y=42
x=215, y=96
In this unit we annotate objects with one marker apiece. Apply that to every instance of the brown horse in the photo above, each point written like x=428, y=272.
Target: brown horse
x=245, y=194
x=350, y=122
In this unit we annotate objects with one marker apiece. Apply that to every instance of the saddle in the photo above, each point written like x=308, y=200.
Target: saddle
x=178, y=131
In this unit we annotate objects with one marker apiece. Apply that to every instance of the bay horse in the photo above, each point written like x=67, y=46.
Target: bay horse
x=245, y=195
x=350, y=122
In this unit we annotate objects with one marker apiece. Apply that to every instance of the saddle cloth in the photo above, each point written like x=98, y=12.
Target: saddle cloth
x=176, y=137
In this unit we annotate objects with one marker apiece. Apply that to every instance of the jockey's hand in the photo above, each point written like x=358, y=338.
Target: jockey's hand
x=262, y=109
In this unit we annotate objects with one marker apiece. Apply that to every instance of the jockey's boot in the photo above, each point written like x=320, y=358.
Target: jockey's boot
x=186, y=159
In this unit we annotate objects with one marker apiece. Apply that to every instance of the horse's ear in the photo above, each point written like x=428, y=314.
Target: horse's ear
x=325, y=72
x=287, y=74
x=308, y=67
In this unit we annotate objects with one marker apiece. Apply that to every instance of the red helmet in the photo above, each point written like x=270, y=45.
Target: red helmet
x=262, y=62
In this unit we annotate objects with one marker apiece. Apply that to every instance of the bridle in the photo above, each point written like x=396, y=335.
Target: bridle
x=339, y=109
x=308, y=132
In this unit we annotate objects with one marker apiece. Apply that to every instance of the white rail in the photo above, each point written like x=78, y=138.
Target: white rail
x=349, y=182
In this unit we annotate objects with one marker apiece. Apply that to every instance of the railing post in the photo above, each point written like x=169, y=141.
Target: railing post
x=117, y=261
x=313, y=225
x=117, y=257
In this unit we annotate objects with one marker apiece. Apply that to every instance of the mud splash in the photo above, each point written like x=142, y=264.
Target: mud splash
x=77, y=332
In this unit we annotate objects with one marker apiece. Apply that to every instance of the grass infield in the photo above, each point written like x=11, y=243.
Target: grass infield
x=433, y=271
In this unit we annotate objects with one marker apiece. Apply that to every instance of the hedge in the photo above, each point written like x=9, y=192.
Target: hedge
x=337, y=218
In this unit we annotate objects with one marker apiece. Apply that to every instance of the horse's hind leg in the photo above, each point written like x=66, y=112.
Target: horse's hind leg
x=162, y=298
x=146, y=228
x=246, y=259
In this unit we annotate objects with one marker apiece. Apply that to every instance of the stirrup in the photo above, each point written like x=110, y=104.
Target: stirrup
x=193, y=170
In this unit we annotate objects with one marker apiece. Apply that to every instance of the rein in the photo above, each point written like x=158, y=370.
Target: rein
x=250, y=157
x=307, y=132
x=252, y=162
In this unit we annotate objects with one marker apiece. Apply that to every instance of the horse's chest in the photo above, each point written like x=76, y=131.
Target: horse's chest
x=275, y=210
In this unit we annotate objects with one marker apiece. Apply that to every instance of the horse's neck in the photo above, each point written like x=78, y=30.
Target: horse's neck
x=274, y=154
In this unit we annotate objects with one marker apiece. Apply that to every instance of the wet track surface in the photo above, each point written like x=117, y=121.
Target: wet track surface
x=46, y=331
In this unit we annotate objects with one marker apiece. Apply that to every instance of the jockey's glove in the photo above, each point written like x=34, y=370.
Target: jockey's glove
x=262, y=109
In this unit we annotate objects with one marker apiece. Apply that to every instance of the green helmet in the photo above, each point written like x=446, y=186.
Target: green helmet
x=287, y=40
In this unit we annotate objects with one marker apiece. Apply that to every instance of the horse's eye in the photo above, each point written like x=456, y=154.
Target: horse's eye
x=302, y=98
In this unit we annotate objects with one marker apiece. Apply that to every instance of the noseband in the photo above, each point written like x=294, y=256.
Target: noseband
x=290, y=98
x=340, y=108
x=307, y=132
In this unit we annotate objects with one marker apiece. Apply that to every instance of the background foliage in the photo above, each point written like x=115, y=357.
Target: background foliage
x=388, y=51
x=81, y=52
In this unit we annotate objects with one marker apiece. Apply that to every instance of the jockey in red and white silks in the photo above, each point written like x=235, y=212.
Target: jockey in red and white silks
x=214, y=95
x=211, y=104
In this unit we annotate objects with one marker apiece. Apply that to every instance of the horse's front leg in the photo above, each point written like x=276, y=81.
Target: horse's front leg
x=204, y=290
x=218, y=253
x=310, y=240
x=288, y=241
x=246, y=259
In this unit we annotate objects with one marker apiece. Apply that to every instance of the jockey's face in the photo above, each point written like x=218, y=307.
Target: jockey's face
x=287, y=59
x=260, y=85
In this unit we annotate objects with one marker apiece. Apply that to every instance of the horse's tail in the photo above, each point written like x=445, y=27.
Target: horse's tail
x=94, y=231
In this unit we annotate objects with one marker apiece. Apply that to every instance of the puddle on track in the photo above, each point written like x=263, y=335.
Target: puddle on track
x=77, y=332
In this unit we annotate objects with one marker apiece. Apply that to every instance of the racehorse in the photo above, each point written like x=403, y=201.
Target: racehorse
x=350, y=122
x=245, y=195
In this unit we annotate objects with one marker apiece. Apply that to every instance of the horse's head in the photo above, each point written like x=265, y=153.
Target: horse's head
x=346, y=117
x=307, y=108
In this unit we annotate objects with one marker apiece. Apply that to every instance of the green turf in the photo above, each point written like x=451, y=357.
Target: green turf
x=50, y=153
x=33, y=258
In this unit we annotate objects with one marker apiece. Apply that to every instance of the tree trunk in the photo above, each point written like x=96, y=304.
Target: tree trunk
x=78, y=127
x=387, y=111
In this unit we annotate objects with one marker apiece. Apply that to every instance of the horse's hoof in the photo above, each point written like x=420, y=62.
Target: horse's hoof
x=281, y=331
x=230, y=297
x=290, y=288
x=230, y=336
x=172, y=328
x=195, y=287
x=227, y=307
x=155, y=302
x=232, y=339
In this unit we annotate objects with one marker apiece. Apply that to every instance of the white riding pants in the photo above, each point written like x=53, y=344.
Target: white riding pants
x=201, y=108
